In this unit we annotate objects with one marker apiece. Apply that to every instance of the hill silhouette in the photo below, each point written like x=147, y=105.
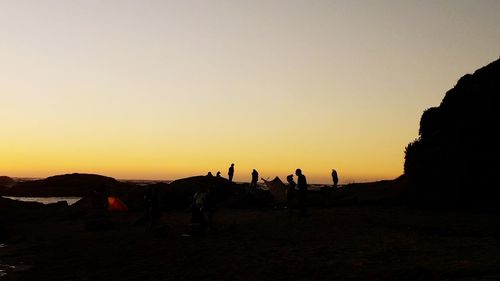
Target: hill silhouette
x=68, y=185
x=178, y=195
x=455, y=159
x=6, y=181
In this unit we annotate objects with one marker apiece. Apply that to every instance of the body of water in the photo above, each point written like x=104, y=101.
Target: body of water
x=45, y=200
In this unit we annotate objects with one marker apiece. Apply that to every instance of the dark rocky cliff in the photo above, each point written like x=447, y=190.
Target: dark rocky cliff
x=456, y=156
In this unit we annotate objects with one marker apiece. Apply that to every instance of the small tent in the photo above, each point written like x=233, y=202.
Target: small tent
x=277, y=189
x=116, y=205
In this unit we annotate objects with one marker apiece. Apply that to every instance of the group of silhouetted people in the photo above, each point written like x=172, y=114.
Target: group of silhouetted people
x=296, y=195
x=202, y=206
x=255, y=177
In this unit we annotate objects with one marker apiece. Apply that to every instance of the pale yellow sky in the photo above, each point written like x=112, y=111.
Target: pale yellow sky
x=168, y=89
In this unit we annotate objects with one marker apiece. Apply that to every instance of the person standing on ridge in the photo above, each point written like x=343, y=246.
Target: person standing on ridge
x=230, y=173
x=335, y=178
x=302, y=187
x=255, y=178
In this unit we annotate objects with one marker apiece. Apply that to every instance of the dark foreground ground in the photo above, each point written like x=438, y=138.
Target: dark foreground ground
x=342, y=243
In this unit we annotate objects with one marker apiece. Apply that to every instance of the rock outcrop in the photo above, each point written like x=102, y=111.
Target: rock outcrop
x=6, y=181
x=456, y=156
x=78, y=185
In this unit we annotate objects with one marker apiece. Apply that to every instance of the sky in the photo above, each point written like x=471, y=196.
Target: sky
x=170, y=89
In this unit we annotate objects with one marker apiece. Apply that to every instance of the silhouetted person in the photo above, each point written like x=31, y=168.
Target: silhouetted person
x=218, y=174
x=210, y=207
x=230, y=173
x=255, y=178
x=302, y=187
x=290, y=192
x=198, y=216
x=335, y=178
x=210, y=174
x=99, y=200
x=151, y=206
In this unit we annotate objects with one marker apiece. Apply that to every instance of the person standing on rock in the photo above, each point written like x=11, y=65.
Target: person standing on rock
x=255, y=178
x=335, y=178
x=230, y=173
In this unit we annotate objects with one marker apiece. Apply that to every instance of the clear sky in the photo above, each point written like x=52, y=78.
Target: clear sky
x=168, y=89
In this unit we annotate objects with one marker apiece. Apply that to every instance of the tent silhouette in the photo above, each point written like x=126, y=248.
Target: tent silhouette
x=116, y=205
x=277, y=189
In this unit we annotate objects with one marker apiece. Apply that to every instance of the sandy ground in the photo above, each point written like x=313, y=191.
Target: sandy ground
x=342, y=243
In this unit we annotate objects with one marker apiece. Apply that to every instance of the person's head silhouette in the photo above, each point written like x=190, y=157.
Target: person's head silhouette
x=298, y=172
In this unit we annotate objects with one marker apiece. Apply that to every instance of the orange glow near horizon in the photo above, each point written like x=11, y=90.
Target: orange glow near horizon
x=167, y=90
